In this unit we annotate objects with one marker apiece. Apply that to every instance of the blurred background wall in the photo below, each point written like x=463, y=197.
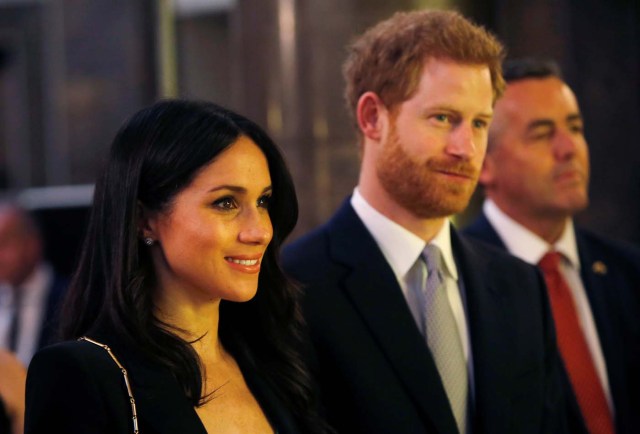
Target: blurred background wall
x=72, y=70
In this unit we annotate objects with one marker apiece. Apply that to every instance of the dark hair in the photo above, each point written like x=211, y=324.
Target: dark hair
x=154, y=156
x=529, y=67
x=388, y=58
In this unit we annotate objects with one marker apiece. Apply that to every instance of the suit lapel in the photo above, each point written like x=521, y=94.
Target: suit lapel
x=374, y=291
x=488, y=320
x=161, y=404
x=483, y=230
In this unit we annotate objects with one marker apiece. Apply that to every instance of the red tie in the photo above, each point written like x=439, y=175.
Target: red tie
x=574, y=350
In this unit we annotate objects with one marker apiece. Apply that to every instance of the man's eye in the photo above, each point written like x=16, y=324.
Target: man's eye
x=225, y=203
x=481, y=123
x=442, y=118
x=542, y=133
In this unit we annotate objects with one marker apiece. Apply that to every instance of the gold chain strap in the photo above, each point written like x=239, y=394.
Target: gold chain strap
x=126, y=380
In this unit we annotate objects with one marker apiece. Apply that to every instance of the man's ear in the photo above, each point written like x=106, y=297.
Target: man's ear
x=371, y=113
x=146, y=222
x=487, y=171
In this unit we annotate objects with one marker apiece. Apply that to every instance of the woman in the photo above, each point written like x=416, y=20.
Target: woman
x=186, y=321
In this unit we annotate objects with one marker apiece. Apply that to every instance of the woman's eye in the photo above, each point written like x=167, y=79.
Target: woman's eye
x=225, y=203
x=264, y=201
x=577, y=129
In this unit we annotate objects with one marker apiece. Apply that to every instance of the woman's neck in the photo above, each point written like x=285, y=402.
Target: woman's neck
x=195, y=322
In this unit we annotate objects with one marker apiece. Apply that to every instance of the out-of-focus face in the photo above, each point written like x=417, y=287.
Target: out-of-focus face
x=431, y=158
x=20, y=248
x=211, y=242
x=538, y=165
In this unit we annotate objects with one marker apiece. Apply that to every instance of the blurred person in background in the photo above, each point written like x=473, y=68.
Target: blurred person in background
x=536, y=176
x=12, y=383
x=417, y=329
x=179, y=284
x=30, y=289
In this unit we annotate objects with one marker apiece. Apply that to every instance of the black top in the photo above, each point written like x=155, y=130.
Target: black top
x=5, y=423
x=76, y=387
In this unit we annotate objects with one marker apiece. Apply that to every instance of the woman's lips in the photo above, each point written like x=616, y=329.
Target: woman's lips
x=245, y=264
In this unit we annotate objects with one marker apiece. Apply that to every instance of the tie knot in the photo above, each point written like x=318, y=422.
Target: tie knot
x=432, y=257
x=550, y=261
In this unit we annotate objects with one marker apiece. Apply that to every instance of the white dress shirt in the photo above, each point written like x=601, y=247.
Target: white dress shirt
x=35, y=291
x=529, y=247
x=402, y=248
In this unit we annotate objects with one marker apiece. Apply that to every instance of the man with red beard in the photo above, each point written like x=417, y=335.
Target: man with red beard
x=415, y=329
x=536, y=177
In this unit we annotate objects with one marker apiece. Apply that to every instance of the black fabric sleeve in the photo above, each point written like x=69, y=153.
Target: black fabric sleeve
x=74, y=388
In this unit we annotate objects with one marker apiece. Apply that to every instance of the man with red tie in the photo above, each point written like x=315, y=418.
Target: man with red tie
x=535, y=176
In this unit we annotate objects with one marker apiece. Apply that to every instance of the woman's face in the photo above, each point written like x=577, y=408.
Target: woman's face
x=210, y=243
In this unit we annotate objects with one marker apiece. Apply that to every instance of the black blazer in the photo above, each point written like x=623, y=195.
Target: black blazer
x=611, y=277
x=76, y=388
x=375, y=370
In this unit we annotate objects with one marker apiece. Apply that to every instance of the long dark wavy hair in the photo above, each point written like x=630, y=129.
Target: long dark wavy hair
x=155, y=155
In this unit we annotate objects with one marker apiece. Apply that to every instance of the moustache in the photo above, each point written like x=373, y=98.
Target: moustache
x=459, y=168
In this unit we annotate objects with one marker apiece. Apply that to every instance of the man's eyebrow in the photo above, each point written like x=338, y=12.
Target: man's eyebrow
x=451, y=109
x=540, y=123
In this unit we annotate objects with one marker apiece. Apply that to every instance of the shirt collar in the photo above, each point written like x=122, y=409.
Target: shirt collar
x=33, y=289
x=526, y=245
x=401, y=247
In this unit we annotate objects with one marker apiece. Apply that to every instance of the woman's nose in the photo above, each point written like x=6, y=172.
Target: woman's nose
x=256, y=228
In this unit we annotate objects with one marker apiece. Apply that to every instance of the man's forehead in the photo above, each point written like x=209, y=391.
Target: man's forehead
x=548, y=97
x=548, y=90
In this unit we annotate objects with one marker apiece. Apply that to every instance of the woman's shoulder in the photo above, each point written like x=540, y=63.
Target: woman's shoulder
x=75, y=387
x=79, y=355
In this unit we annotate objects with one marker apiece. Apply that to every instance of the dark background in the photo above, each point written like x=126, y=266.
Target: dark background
x=71, y=71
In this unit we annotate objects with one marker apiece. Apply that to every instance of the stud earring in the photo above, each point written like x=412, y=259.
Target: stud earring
x=148, y=241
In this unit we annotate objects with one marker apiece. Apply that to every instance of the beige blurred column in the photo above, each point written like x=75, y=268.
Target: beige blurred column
x=288, y=78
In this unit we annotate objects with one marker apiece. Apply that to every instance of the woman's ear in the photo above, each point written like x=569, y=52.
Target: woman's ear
x=371, y=113
x=146, y=223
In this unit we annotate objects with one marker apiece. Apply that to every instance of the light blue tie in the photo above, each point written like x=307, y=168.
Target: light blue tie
x=443, y=337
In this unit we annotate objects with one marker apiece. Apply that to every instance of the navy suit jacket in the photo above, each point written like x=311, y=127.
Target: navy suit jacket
x=375, y=370
x=75, y=387
x=610, y=274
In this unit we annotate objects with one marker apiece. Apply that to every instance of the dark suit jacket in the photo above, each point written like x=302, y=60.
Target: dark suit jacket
x=76, y=388
x=611, y=277
x=376, y=372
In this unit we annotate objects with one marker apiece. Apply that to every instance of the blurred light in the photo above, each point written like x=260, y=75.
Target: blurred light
x=196, y=7
x=56, y=197
x=17, y=2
